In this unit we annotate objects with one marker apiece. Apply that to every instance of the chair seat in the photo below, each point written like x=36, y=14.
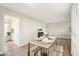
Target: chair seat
x=35, y=49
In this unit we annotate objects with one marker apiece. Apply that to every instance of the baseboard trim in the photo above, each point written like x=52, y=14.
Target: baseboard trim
x=64, y=37
x=23, y=44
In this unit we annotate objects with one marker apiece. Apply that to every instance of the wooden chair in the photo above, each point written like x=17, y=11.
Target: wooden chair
x=34, y=50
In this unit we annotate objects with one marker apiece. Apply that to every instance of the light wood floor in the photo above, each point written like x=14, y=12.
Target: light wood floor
x=66, y=43
x=22, y=50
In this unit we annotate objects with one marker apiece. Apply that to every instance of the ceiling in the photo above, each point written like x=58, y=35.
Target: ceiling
x=47, y=12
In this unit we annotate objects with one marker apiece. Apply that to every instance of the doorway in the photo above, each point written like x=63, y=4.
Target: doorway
x=10, y=31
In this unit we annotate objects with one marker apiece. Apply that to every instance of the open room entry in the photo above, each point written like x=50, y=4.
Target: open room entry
x=11, y=31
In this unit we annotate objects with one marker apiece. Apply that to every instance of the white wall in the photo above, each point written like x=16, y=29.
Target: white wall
x=75, y=30
x=60, y=29
x=28, y=26
x=1, y=35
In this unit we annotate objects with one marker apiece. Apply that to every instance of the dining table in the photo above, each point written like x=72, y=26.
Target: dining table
x=42, y=44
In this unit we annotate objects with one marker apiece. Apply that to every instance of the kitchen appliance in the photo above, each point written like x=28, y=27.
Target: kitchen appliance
x=40, y=33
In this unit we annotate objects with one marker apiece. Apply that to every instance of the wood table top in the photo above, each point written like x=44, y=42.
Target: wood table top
x=43, y=44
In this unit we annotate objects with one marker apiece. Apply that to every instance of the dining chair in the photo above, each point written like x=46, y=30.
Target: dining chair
x=34, y=50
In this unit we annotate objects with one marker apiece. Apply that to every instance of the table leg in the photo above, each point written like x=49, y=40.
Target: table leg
x=28, y=49
x=47, y=51
x=41, y=52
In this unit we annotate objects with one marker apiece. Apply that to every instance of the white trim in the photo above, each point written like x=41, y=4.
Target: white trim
x=63, y=37
x=22, y=44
